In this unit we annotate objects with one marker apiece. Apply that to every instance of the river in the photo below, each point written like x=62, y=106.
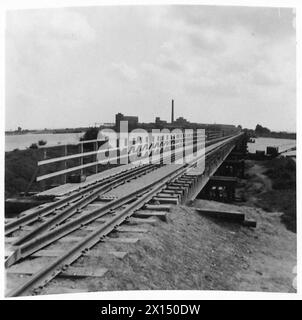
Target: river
x=23, y=141
x=262, y=143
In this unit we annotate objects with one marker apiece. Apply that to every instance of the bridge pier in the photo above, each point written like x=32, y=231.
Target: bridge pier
x=231, y=168
x=219, y=179
x=219, y=188
x=240, y=151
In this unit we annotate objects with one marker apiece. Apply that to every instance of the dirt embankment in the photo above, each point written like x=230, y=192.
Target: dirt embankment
x=192, y=252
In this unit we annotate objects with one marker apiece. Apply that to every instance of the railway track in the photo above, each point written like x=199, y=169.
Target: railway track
x=45, y=244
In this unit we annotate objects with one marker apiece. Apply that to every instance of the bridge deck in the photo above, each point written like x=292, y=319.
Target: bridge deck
x=139, y=183
x=71, y=187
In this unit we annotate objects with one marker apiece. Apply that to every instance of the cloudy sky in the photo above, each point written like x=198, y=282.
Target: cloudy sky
x=77, y=66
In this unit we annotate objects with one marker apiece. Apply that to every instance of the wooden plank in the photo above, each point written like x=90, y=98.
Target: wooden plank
x=95, y=205
x=146, y=214
x=9, y=240
x=28, y=228
x=183, y=181
x=92, y=253
x=70, y=272
x=177, y=188
x=165, y=195
x=157, y=207
x=27, y=267
x=8, y=251
x=89, y=228
x=71, y=239
x=106, y=198
x=180, y=184
x=177, y=191
x=226, y=215
x=189, y=178
x=140, y=220
x=48, y=253
x=166, y=200
x=64, y=289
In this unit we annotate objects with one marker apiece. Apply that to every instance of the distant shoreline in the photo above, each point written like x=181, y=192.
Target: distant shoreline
x=289, y=136
x=43, y=132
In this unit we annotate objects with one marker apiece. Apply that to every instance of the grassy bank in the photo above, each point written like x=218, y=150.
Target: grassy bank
x=271, y=185
x=282, y=197
x=21, y=166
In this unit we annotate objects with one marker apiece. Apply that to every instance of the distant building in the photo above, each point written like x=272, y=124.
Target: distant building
x=181, y=120
x=132, y=120
x=158, y=121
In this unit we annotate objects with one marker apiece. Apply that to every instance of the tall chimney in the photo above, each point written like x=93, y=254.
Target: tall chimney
x=172, y=113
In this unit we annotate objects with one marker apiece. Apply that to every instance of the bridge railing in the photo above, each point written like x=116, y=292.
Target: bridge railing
x=90, y=156
x=155, y=148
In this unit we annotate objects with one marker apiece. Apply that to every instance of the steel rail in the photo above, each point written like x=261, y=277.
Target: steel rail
x=47, y=238
x=84, y=201
x=62, y=263
x=41, y=241
x=81, y=201
x=34, y=216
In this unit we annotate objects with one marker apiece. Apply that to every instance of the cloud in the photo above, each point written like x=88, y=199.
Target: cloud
x=45, y=25
x=141, y=56
x=125, y=71
x=272, y=22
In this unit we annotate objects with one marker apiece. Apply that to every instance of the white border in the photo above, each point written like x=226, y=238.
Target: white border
x=137, y=295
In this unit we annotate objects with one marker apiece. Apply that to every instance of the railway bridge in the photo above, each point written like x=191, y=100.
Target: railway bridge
x=44, y=242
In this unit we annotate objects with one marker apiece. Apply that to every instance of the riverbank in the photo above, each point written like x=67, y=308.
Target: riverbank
x=261, y=144
x=271, y=185
x=21, y=166
x=23, y=141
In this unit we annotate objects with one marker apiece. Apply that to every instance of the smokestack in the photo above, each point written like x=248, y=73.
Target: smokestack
x=172, y=113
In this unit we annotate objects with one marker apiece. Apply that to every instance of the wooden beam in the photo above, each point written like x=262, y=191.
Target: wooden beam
x=166, y=200
x=157, y=207
x=225, y=215
x=146, y=214
x=224, y=179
